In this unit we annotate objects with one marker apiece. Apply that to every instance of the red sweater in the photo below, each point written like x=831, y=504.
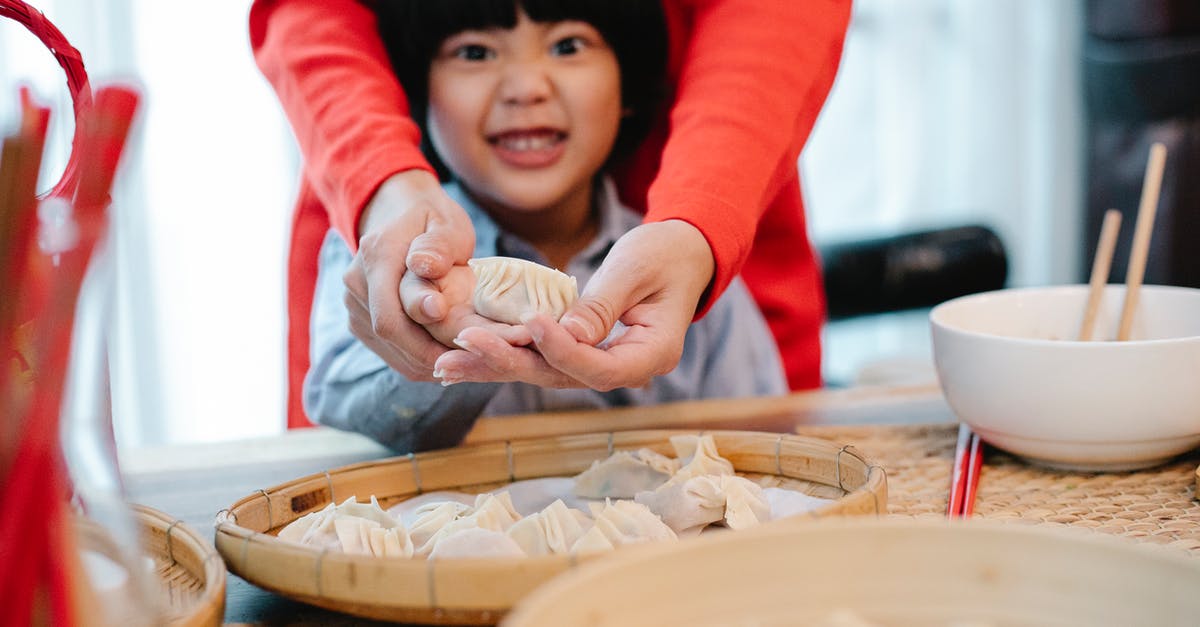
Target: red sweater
x=750, y=78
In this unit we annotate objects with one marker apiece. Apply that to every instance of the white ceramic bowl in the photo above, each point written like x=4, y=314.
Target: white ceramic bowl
x=1011, y=367
x=876, y=572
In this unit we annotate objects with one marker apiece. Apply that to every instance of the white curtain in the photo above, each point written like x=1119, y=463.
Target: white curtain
x=945, y=112
x=948, y=112
x=200, y=211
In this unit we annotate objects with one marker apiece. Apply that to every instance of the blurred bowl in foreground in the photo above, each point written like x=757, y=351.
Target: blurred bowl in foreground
x=1011, y=367
x=878, y=572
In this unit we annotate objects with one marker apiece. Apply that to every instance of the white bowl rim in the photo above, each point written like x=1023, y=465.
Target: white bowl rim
x=937, y=312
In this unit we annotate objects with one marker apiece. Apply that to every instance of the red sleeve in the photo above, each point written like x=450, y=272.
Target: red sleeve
x=332, y=75
x=752, y=78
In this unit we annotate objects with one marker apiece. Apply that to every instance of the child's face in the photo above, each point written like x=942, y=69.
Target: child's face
x=525, y=117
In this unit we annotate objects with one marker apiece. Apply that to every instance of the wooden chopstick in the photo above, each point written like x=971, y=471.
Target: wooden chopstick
x=964, y=476
x=1101, y=266
x=1141, y=236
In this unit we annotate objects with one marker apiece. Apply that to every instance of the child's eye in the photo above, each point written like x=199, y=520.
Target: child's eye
x=568, y=46
x=474, y=52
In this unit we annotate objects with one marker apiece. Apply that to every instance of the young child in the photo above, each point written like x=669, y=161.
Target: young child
x=522, y=105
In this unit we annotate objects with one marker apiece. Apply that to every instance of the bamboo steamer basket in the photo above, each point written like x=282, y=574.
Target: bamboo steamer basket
x=189, y=571
x=480, y=591
x=882, y=572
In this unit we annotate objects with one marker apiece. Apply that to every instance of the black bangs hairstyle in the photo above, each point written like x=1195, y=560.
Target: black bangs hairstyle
x=413, y=31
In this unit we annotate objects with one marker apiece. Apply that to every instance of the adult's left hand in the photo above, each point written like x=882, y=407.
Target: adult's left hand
x=651, y=281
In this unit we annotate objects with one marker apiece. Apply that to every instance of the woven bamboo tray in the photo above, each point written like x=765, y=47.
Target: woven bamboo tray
x=481, y=591
x=190, y=573
x=878, y=572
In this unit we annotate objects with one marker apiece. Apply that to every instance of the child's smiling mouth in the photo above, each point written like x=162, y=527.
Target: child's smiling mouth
x=529, y=148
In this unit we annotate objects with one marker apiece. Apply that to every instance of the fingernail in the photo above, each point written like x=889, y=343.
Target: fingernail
x=463, y=344
x=447, y=379
x=583, y=331
x=430, y=308
x=536, y=332
x=422, y=262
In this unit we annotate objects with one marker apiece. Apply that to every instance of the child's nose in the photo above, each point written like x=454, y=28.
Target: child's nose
x=525, y=83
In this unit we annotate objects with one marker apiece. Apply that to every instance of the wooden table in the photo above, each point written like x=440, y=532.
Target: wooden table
x=908, y=430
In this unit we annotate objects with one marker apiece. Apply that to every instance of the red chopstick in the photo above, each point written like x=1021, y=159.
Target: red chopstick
x=964, y=477
x=974, y=466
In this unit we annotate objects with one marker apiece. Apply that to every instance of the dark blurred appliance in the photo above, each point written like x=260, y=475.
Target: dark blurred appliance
x=911, y=270
x=1141, y=85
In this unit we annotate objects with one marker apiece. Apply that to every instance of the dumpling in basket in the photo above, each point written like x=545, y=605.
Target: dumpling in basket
x=690, y=506
x=624, y=474
x=429, y=520
x=507, y=288
x=686, y=507
x=698, y=456
x=476, y=542
x=627, y=522
x=494, y=512
x=555, y=529
x=359, y=536
x=746, y=504
x=318, y=529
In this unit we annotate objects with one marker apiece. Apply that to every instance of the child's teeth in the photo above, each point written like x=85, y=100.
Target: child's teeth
x=526, y=142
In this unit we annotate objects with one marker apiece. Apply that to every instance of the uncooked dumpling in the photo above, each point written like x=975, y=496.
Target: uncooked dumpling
x=506, y=288
x=698, y=456
x=594, y=541
x=476, y=542
x=359, y=536
x=491, y=511
x=689, y=506
x=624, y=474
x=555, y=529
x=746, y=504
x=317, y=528
x=430, y=520
x=627, y=522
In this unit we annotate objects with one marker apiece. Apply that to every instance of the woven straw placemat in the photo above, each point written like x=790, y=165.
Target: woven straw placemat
x=1155, y=505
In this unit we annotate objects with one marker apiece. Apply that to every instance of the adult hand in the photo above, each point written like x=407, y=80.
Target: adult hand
x=651, y=281
x=410, y=223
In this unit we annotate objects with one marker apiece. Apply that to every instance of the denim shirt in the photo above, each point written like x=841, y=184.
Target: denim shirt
x=728, y=353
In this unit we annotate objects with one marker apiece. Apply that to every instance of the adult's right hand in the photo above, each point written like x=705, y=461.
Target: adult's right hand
x=410, y=228
x=651, y=281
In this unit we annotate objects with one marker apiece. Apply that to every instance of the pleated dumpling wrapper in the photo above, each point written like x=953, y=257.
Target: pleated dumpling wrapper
x=690, y=506
x=624, y=474
x=429, y=520
x=360, y=536
x=698, y=456
x=686, y=507
x=554, y=530
x=476, y=542
x=491, y=511
x=318, y=528
x=507, y=288
x=626, y=522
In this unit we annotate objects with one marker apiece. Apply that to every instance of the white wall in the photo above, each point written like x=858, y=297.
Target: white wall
x=950, y=112
x=200, y=207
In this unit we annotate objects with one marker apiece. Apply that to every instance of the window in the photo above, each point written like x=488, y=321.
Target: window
x=945, y=112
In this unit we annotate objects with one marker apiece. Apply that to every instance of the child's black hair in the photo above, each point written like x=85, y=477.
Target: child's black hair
x=413, y=30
